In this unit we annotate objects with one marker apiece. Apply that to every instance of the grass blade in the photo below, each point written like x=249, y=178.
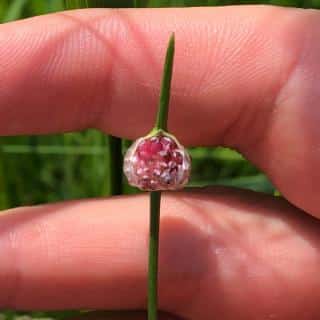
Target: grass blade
x=15, y=10
x=110, y=3
x=4, y=201
x=76, y=4
x=114, y=163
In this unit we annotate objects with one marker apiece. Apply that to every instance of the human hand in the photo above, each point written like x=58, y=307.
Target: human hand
x=245, y=77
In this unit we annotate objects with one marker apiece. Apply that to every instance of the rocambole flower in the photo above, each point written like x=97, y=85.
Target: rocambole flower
x=157, y=162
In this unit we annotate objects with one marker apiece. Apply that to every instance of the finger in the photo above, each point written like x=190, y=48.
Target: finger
x=95, y=68
x=245, y=77
x=224, y=255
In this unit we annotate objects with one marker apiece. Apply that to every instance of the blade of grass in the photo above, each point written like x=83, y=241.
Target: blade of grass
x=15, y=10
x=157, y=3
x=199, y=3
x=76, y=4
x=4, y=203
x=155, y=196
x=3, y=9
x=286, y=3
x=311, y=4
x=114, y=164
x=111, y=3
x=54, y=5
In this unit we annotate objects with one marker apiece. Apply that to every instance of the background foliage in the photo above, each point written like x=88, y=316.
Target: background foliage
x=39, y=169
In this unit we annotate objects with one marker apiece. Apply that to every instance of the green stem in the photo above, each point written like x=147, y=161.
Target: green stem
x=155, y=199
x=163, y=108
x=4, y=201
x=114, y=166
x=155, y=196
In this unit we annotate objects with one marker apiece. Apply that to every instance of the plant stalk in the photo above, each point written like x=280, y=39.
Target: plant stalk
x=155, y=196
x=114, y=166
x=155, y=199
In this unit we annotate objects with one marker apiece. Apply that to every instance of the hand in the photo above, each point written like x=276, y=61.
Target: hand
x=246, y=77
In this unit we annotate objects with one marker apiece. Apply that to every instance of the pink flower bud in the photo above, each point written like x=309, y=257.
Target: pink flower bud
x=157, y=163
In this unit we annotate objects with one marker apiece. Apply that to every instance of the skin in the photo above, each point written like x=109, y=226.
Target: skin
x=245, y=77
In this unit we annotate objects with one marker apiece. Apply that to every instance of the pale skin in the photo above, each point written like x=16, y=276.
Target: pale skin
x=244, y=77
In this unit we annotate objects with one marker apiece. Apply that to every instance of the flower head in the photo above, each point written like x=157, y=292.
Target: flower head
x=157, y=162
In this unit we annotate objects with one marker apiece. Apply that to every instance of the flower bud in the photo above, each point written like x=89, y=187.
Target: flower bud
x=157, y=162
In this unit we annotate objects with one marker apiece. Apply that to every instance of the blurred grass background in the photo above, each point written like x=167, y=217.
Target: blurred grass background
x=40, y=169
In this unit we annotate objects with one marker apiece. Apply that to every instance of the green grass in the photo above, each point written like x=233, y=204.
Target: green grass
x=41, y=169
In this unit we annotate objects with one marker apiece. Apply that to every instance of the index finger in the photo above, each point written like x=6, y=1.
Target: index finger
x=245, y=77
